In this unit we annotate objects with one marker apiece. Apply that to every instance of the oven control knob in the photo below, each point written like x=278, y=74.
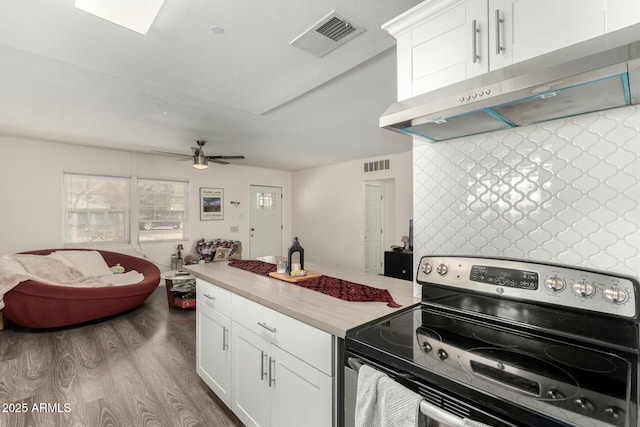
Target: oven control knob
x=442, y=269
x=614, y=413
x=584, y=288
x=554, y=283
x=616, y=295
x=584, y=405
x=427, y=268
x=443, y=354
x=555, y=394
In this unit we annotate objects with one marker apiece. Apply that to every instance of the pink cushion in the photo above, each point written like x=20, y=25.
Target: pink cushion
x=37, y=305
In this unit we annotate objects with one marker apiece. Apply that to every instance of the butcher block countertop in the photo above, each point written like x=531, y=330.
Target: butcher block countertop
x=324, y=312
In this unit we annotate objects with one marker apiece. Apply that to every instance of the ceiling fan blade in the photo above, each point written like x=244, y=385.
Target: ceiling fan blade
x=225, y=157
x=167, y=153
x=222, y=162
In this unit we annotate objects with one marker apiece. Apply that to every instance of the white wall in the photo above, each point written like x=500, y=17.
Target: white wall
x=31, y=173
x=328, y=208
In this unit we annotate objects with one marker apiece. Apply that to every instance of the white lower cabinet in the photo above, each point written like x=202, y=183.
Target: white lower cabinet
x=213, y=349
x=250, y=377
x=301, y=395
x=274, y=388
x=270, y=369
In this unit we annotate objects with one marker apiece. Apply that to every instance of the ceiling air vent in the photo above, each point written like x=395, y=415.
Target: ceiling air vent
x=330, y=32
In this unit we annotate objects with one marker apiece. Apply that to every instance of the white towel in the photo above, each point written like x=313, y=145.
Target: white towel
x=380, y=401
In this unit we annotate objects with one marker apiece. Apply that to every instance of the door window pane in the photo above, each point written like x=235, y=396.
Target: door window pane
x=265, y=201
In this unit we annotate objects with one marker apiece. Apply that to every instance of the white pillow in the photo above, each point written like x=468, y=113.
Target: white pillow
x=58, y=255
x=90, y=263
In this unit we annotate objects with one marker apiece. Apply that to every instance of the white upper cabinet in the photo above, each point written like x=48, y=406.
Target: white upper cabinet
x=622, y=13
x=441, y=42
x=448, y=47
x=524, y=29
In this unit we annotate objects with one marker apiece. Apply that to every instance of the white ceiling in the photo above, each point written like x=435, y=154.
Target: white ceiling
x=66, y=75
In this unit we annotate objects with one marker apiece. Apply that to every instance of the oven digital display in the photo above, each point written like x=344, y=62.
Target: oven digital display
x=506, y=277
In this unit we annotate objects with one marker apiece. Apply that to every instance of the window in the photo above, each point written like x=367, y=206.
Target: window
x=265, y=201
x=162, y=210
x=96, y=209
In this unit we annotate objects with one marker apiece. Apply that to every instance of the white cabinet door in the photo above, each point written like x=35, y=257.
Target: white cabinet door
x=274, y=388
x=447, y=48
x=250, y=377
x=300, y=394
x=622, y=13
x=523, y=29
x=534, y=27
x=213, y=351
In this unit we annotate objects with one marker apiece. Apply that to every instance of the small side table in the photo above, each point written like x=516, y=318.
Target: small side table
x=398, y=264
x=181, y=289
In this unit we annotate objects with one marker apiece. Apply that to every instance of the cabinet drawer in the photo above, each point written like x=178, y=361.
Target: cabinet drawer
x=214, y=297
x=297, y=338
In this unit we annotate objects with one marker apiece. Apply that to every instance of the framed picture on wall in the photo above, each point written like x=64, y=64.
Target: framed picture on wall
x=211, y=204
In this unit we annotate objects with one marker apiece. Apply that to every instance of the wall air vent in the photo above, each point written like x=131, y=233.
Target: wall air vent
x=327, y=34
x=378, y=165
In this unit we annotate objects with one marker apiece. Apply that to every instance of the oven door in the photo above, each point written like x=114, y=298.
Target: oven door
x=436, y=410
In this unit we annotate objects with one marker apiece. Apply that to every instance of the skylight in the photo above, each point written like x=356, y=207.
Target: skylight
x=135, y=15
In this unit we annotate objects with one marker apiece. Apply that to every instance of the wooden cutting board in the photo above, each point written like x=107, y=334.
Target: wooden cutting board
x=294, y=279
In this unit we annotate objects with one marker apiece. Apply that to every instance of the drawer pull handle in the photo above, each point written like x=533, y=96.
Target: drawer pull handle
x=209, y=297
x=267, y=327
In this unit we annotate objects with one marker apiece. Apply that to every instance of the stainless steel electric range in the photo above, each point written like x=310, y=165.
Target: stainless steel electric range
x=510, y=343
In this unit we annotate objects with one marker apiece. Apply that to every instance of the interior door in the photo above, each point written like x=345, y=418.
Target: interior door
x=373, y=228
x=265, y=222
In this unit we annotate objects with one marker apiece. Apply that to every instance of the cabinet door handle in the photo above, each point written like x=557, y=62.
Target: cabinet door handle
x=263, y=357
x=498, y=22
x=272, y=368
x=267, y=327
x=225, y=338
x=474, y=41
x=209, y=297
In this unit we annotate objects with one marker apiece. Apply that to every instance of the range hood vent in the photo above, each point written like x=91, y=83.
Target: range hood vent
x=595, y=75
x=327, y=34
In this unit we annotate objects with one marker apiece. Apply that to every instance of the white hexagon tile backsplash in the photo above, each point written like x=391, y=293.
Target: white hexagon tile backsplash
x=565, y=191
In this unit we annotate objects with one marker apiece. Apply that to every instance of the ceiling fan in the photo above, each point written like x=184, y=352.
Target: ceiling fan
x=201, y=160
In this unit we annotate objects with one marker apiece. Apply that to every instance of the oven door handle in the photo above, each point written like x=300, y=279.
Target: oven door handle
x=431, y=411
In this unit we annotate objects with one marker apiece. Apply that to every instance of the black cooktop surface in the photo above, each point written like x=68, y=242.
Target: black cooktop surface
x=535, y=366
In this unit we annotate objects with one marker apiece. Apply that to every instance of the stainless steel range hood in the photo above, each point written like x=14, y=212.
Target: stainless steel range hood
x=595, y=75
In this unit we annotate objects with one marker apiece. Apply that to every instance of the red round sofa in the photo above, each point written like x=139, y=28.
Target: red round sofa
x=38, y=305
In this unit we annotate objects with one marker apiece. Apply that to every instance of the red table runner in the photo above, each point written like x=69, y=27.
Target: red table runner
x=338, y=288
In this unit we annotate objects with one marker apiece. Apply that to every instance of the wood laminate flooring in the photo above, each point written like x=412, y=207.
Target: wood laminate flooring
x=134, y=369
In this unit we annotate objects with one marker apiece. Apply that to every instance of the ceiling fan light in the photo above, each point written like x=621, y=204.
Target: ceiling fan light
x=200, y=162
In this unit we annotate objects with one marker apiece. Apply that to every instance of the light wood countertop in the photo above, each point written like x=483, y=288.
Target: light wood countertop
x=324, y=312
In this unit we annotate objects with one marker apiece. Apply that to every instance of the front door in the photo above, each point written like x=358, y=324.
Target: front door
x=265, y=221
